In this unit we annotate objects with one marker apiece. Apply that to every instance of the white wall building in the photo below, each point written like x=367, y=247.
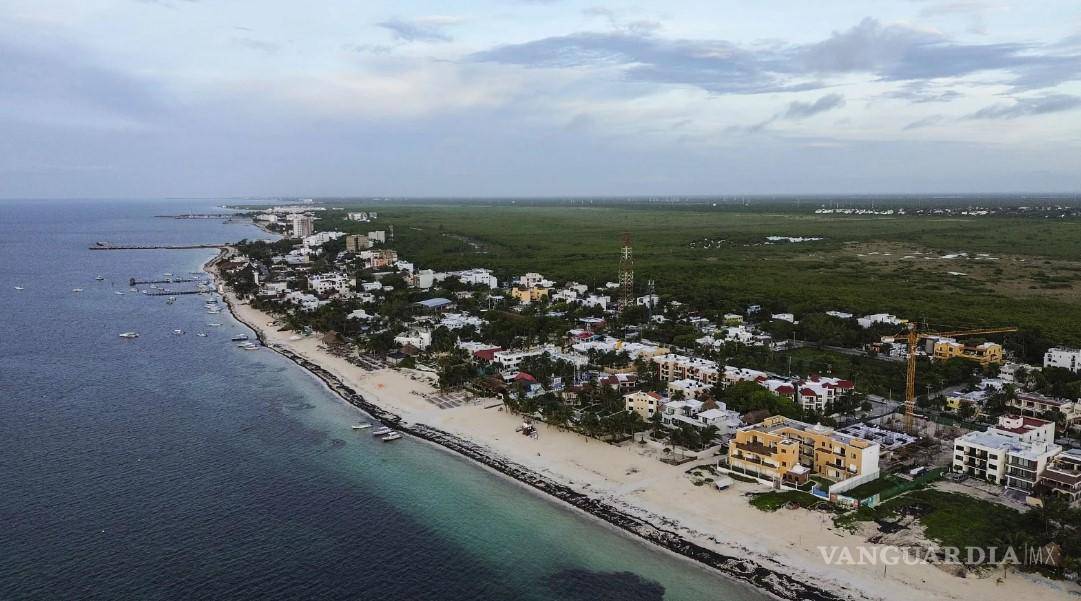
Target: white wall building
x=1067, y=358
x=1012, y=454
x=328, y=282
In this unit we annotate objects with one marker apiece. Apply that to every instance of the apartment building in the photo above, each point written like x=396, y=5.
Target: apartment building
x=646, y=404
x=302, y=225
x=985, y=353
x=1066, y=358
x=1012, y=454
x=679, y=367
x=326, y=283
x=1063, y=476
x=356, y=243
x=690, y=389
x=529, y=295
x=1038, y=405
x=784, y=450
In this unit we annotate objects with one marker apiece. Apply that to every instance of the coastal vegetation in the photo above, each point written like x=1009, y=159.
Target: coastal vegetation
x=1015, y=271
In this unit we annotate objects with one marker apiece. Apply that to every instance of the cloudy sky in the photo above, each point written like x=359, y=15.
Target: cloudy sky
x=122, y=98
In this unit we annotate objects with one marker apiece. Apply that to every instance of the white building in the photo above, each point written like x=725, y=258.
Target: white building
x=691, y=389
x=359, y=216
x=677, y=414
x=303, y=225
x=677, y=367
x=424, y=279
x=1067, y=358
x=868, y=321
x=328, y=282
x=477, y=277
x=1012, y=454
x=378, y=236
x=419, y=338
x=316, y=240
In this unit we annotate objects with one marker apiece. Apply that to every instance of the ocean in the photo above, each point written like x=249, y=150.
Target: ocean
x=181, y=467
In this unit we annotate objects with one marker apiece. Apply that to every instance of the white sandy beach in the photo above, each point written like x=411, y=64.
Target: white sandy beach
x=787, y=541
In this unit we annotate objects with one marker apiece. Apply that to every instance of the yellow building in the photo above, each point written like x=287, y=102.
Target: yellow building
x=529, y=295
x=785, y=450
x=985, y=353
x=646, y=404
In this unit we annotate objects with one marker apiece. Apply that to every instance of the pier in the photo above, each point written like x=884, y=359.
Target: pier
x=109, y=246
x=175, y=292
x=135, y=282
x=200, y=216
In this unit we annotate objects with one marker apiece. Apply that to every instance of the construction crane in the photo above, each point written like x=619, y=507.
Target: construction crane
x=913, y=336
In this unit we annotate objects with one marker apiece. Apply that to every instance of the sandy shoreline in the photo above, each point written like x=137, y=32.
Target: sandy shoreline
x=629, y=489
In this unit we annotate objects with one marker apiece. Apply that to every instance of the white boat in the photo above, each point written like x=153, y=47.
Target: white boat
x=100, y=278
x=248, y=346
x=133, y=289
x=214, y=325
x=168, y=275
x=391, y=436
x=119, y=293
x=178, y=331
x=239, y=337
x=201, y=334
x=361, y=426
x=20, y=288
x=130, y=335
x=76, y=289
x=381, y=431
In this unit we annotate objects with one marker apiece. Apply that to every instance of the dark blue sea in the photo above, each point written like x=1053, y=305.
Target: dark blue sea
x=180, y=467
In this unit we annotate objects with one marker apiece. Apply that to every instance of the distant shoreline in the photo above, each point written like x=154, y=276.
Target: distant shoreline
x=745, y=571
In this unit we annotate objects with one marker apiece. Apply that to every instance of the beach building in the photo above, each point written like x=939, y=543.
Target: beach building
x=784, y=450
x=1063, y=477
x=646, y=404
x=1012, y=454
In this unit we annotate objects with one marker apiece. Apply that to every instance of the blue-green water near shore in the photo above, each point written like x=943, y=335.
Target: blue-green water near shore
x=180, y=467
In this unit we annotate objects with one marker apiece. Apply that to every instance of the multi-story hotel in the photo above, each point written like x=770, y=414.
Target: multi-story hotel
x=1013, y=454
x=784, y=450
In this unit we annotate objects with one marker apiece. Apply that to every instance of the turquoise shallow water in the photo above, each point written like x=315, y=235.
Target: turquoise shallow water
x=179, y=467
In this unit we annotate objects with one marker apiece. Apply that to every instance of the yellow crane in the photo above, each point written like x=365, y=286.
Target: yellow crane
x=913, y=336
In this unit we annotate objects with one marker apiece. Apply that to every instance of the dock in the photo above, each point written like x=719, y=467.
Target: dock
x=135, y=282
x=201, y=216
x=108, y=246
x=174, y=292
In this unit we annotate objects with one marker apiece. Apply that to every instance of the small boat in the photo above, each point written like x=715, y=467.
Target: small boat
x=130, y=335
x=118, y=293
x=100, y=278
x=201, y=334
x=239, y=337
x=20, y=288
x=178, y=331
x=168, y=275
x=170, y=300
x=361, y=426
x=76, y=289
x=391, y=436
x=133, y=289
x=213, y=325
x=381, y=431
x=248, y=346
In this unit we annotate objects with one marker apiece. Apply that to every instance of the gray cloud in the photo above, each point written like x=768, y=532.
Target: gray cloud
x=925, y=122
x=920, y=93
x=802, y=110
x=429, y=29
x=1025, y=107
x=888, y=52
x=259, y=45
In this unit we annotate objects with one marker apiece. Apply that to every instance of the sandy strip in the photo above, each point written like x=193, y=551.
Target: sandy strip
x=628, y=487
